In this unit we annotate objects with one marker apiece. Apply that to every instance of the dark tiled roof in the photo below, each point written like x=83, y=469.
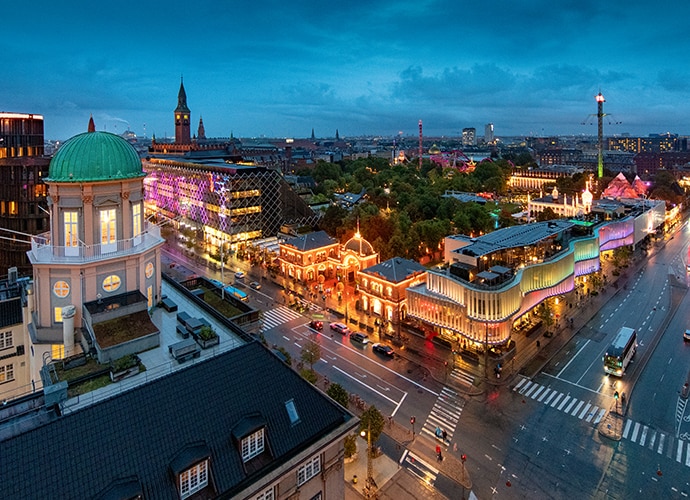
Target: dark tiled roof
x=396, y=269
x=311, y=241
x=140, y=433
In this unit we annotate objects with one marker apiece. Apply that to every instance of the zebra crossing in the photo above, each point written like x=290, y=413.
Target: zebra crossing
x=419, y=467
x=560, y=401
x=661, y=442
x=461, y=377
x=278, y=316
x=445, y=414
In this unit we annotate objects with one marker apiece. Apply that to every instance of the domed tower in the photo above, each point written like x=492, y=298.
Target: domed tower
x=100, y=247
x=182, y=118
x=357, y=254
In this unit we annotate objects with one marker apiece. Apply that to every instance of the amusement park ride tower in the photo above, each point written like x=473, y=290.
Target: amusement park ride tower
x=600, y=144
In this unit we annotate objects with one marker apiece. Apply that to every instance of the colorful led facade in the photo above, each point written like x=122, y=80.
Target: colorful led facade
x=232, y=203
x=511, y=271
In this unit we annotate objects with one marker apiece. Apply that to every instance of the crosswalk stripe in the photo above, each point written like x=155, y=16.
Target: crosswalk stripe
x=555, y=401
x=627, y=429
x=526, y=387
x=536, y=393
x=531, y=389
x=635, y=431
x=687, y=453
x=548, y=400
x=592, y=413
x=679, y=452
x=567, y=410
x=560, y=406
x=519, y=384
x=544, y=394
x=643, y=437
x=584, y=411
x=600, y=416
x=463, y=377
x=662, y=438
x=652, y=438
x=577, y=408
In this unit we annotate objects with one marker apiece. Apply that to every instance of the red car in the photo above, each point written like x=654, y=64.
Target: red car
x=316, y=324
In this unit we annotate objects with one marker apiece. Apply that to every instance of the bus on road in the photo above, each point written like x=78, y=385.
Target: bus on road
x=238, y=294
x=620, y=352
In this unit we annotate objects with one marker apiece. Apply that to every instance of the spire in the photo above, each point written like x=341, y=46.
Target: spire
x=92, y=125
x=312, y=134
x=337, y=135
x=201, y=134
x=182, y=98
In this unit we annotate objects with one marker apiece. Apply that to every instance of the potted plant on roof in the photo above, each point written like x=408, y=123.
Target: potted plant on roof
x=126, y=366
x=207, y=337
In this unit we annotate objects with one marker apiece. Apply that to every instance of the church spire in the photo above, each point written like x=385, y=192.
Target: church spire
x=201, y=134
x=92, y=125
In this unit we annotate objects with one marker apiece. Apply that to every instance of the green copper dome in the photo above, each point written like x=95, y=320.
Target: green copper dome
x=95, y=156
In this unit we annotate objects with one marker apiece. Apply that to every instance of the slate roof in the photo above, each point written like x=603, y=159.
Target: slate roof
x=142, y=432
x=311, y=241
x=396, y=269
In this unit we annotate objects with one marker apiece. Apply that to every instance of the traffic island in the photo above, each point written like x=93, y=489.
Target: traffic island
x=611, y=426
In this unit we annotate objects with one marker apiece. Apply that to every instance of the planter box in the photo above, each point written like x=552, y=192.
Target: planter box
x=205, y=344
x=130, y=372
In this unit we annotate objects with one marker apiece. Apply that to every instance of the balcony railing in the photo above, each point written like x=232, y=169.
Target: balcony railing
x=43, y=252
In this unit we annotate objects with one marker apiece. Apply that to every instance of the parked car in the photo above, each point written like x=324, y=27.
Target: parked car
x=386, y=350
x=360, y=337
x=340, y=328
x=255, y=285
x=686, y=335
x=316, y=324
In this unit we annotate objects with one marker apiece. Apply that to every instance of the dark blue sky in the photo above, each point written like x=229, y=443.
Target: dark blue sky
x=279, y=68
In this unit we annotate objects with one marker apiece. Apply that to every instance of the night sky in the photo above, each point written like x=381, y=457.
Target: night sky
x=278, y=68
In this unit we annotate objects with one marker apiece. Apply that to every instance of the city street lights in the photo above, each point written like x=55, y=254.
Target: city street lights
x=371, y=484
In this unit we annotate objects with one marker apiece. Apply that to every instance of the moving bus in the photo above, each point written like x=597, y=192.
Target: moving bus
x=620, y=352
x=238, y=294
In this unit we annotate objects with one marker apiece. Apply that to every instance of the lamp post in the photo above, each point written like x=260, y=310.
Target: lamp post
x=370, y=467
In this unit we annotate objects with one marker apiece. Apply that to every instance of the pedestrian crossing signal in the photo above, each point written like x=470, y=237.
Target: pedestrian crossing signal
x=463, y=457
x=615, y=395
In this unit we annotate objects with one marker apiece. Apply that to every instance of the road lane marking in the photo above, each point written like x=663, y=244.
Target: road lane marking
x=679, y=453
x=365, y=385
x=584, y=411
x=577, y=408
x=571, y=359
x=627, y=429
x=635, y=431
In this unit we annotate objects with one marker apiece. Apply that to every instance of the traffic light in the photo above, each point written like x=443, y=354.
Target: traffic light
x=463, y=457
x=615, y=395
x=412, y=420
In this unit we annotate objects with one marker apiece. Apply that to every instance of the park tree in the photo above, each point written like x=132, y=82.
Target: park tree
x=372, y=421
x=338, y=394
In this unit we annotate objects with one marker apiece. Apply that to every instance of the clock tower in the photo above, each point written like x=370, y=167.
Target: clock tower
x=182, y=118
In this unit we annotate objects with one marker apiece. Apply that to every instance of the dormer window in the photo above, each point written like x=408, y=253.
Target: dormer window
x=193, y=479
x=253, y=445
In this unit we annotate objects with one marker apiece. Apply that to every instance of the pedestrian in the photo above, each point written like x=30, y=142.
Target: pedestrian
x=438, y=450
x=445, y=435
x=455, y=447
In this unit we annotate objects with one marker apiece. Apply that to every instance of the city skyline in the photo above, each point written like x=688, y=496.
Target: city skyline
x=362, y=68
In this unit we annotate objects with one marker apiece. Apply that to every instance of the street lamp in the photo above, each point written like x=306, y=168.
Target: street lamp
x=371, y=484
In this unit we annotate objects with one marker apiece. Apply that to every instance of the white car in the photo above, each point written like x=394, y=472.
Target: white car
x=239, y=275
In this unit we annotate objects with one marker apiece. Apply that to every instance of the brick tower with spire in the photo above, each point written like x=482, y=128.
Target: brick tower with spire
x=182, y=118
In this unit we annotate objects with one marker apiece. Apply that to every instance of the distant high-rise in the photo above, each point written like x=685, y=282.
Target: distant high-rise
x=469, y=136
x=182, y=118
x=23, y=207
x=489, y=133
